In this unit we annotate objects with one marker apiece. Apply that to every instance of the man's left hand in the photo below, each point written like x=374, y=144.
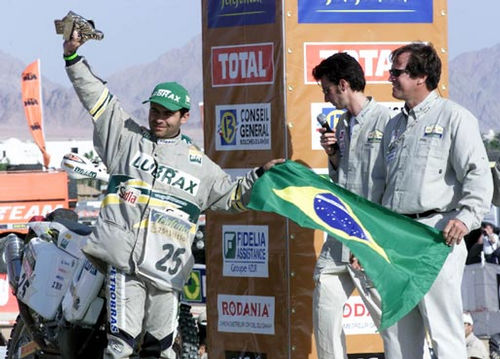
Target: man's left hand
x=454, y=231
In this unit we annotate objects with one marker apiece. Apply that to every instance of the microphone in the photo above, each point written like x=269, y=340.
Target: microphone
x=321, y=118
x=323, y=122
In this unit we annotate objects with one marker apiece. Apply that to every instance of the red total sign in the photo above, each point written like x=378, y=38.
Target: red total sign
x=374, y=57
x=242, y=65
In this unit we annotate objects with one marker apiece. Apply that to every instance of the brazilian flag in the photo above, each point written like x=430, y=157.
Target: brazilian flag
x=401, y=257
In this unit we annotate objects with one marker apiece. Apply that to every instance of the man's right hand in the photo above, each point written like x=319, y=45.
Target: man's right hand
x=328, y=141
x=454, y=231
x=70, y=46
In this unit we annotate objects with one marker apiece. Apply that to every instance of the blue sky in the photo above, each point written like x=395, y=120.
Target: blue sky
x=135, y=31
x=139, y=31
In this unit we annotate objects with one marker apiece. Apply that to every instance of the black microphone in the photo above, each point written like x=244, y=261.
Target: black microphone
x=324, y=123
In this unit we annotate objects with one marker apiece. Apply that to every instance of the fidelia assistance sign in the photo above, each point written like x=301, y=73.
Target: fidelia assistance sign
x=245, y=251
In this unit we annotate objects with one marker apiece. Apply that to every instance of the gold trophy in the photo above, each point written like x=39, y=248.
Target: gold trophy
x=85, y=28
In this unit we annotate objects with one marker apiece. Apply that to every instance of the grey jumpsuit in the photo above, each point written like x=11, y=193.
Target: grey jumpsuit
x=148, y=219
x=360, y=170
x=436, y=161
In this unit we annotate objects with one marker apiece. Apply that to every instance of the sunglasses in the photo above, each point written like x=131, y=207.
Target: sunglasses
x=397, y=72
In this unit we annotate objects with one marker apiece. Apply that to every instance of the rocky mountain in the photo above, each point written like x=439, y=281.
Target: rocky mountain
x=183, y=65
x=64, y=116
x=474, y=83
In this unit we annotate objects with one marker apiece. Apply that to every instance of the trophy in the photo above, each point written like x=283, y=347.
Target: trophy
x=85, y=28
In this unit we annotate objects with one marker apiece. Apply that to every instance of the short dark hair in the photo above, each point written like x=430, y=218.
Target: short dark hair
x=341, y=66
x=423, y=61
x=183, y=111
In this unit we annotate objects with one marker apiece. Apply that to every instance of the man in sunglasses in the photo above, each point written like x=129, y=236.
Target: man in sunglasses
x=355, y=162
x=438, y=174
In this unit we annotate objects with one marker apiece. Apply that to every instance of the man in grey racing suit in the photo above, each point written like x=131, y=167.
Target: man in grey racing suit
x=159, y=184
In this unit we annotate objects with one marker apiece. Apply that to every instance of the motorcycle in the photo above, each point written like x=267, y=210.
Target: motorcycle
x=60, y=293
x=61, y=306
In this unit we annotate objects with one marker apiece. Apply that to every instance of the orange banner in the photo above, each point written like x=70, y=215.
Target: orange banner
x=31, y=85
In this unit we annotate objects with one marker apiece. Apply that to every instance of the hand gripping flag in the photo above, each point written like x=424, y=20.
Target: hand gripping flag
x=401, y=257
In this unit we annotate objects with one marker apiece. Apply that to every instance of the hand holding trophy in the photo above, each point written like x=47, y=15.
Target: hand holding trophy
x=75, y=23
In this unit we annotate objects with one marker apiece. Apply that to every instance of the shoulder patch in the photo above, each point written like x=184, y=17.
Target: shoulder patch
x=375, y=136
x=195, y=156
x=434, y=131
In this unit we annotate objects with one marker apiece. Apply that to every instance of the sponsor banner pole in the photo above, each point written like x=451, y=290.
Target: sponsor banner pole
x=367, y=30
x=243, y=105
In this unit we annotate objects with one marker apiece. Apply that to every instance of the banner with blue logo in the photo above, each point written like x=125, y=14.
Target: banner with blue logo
x=225, y=13
x=365, y=11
